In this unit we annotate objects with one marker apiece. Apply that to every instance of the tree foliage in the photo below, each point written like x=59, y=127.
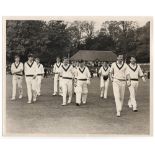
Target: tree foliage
x=59, y=38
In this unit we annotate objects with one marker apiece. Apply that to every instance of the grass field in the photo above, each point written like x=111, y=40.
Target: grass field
x=98, y=116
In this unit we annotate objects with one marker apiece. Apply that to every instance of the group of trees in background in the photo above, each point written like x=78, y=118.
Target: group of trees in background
x=59, y=38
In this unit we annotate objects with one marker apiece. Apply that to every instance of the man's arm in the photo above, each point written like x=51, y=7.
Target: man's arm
x=21, y=68
x=60, y=72
x=88, y=76
x=88, y=73
x=35, y=70
x=18, y=71
x=12, y=71
x=72, y=71
x=111, y=73
x=54, y=68
x=140, y=73
x=99, y=72
x=128, y=76
x=25, y=70
x=42, y=69
x=75, y=77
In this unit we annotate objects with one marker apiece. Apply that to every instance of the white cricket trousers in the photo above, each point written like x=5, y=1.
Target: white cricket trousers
x=74, y=86
x=67, y=90
x=60, y=85
x=81, y=91
x=17, y=84
x=133, y=91
x=56, y=82
x=31, y=87
x=104, y=85
x=119, y=90
x=39, y=79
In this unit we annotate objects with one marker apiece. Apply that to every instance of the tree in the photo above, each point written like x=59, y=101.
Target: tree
x=122, y=33
x=59, y=39
x=83, y=29
x=23, y=37
x=48, y=40
x=143, y=43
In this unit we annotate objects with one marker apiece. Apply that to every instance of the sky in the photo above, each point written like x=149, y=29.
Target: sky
x=141, y=20
x=99, y=23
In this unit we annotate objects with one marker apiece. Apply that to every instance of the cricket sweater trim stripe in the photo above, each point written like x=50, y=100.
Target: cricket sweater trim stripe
x=67, y=78
x=119, y=67
x=105, y=69
x=134, y=79
x=82, y=79
x=19, y=74
x=66, y=69
x=82, y=70
x=29, y=75
x=38, y=65
x=58, y=65
x=133, y=68
x=30, y=65
x=17, y=65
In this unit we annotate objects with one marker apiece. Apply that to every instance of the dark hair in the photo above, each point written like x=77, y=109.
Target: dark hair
x=81, y=61
x=120, y=54
x=30, y=55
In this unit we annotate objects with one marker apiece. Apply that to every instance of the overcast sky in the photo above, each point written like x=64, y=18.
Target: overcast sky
x=99, y=23
x=141, y=21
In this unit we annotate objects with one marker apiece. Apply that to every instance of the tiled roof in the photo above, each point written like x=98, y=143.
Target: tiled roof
x=91, y=55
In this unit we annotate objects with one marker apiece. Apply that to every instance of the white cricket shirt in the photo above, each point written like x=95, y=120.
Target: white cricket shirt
x=135, y=71
x=40, y=69
x=16, y=68
x=82, y=73
x=30, y=69
x=104, y=71
x=67, y=71
x=57, y=67
x=119, y=71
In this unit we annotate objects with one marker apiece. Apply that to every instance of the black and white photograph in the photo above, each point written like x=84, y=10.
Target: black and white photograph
x=77, y=76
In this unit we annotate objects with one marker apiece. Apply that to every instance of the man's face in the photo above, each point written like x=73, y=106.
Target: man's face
x=66, y=61
x=58, y=60
x=30, y=58
x=133, y=60
x=77, y=63
x=105, y=63
x=37, y=61
x=82, y=64
x=120, y=58
x=17, y=59
x=74, y=63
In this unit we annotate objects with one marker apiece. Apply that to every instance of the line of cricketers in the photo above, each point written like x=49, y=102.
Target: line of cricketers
x=34, y=72
x=69, y=78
